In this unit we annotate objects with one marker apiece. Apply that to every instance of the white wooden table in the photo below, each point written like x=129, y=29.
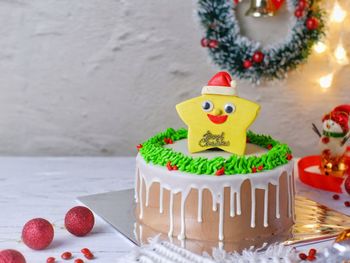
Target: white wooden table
x=48, y=187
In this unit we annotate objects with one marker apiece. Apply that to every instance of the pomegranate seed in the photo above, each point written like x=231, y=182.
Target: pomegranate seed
x=312, y=252
x=336, y=197
x=310, y=258
x=347, y=203
x=50, y=260
x=78, y=260
x=302, y=256
x=66, y=255
x=261, y=167
x=85, y=251
x=89, y=255
x=269, y=147
x=175, y=167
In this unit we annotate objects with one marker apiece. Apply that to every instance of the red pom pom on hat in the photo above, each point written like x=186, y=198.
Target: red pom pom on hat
x=222, y=84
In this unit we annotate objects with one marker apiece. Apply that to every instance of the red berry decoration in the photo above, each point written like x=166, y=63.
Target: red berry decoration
x=254, y=170
x=312, y=252
x=50, y=260
x=312, y=23
x=347, y=184
x=221, y=171
x=302, y=256
x=79, y=221
x=261, y=167
x=37, y=233
x=298, y=13
x=87, y=253
x=204, y=42
x=11, y=256
x=336, y=197
x=213, y=43
x=66, y=255
x=78, y=260
x=302, y=4
x=247, y=64
x=258, y=57
x=347, y=203
x=289, y=157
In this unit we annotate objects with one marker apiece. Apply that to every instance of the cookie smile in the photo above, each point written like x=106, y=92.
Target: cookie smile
x=217, y=119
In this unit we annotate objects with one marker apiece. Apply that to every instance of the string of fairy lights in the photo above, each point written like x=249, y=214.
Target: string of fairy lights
x=337, y=53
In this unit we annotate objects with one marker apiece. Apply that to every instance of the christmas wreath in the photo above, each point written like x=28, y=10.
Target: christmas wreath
x=246, y=58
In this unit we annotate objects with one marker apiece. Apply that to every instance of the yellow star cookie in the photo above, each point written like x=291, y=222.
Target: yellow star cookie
x=217, y=120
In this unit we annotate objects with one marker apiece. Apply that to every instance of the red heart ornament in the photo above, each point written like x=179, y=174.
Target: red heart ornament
x=277, y=3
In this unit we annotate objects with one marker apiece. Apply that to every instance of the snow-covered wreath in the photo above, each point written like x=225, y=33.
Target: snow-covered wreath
x=247, y=59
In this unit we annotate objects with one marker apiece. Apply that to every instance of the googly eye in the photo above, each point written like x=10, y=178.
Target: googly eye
x=229, y=108
x=207, y=105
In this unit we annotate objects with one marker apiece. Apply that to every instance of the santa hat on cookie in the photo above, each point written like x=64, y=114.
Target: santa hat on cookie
x=221, y=84
x=340, y=115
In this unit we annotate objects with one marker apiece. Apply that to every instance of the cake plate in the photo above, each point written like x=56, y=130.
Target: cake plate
x=314, y=222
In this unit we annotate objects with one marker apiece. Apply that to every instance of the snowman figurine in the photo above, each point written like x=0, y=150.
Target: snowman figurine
x=335, y=133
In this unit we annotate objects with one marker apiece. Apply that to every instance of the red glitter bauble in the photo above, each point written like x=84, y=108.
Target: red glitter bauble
x=204, y=42
x=302, y=4
x=213, y=43
x=258, y=57
x=37, y=233
x=298, y=13
x=79, y=221
x=347, y=185
x=312, y=23
x=247, y=64
x=11, y=256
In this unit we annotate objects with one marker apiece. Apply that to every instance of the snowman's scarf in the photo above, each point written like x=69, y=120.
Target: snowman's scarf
x=164, y=252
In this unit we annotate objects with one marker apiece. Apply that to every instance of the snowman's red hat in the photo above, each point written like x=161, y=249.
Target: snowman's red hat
x=222, y=84
x=340, y=115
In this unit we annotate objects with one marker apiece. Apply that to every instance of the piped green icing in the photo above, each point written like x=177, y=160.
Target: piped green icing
x=153, y=152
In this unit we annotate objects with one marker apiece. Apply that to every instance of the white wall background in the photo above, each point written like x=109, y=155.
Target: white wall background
x=98, y=77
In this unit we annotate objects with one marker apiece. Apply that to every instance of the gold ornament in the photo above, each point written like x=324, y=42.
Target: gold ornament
x=333, y=166
x=343, y=236
x=261, y=8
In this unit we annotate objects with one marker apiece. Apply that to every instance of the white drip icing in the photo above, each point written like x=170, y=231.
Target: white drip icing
x=266, y=203
x=136, y=182
x=232, y=204
x=181, y=182
x=140, y=197
x=161, y=191
x=252, y=218
x=200, y=205
x=171, y=217
x=221, y=216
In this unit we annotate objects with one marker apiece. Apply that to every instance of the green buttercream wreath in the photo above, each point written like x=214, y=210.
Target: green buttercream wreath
x=153, y=151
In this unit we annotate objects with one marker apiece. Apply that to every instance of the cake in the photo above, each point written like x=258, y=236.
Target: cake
x=216, y=181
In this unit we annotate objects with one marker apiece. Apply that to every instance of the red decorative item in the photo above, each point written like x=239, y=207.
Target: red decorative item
x=79, y=221
x=347, y=203
x=302, y=4
x=139, y=146
x=221, y=171
x=78, y=260
x=289, y=157
x=312, y=252
x=317, y=180
x=66, y=255
x=258, y=57
x=302, y=256
x=213, y=43
x=11, y=256
x=89, y=256
x=50, y=260
x=247, y=64
x=204, y=42
x=37, y=233
x=336, y=197
x=312, y=23
x=87, y=253
x=298, y=13
x=325, y=140
x=277, y=3
x=254, y=169
x=261, y=167
x=269, y=147
x=347, y=185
